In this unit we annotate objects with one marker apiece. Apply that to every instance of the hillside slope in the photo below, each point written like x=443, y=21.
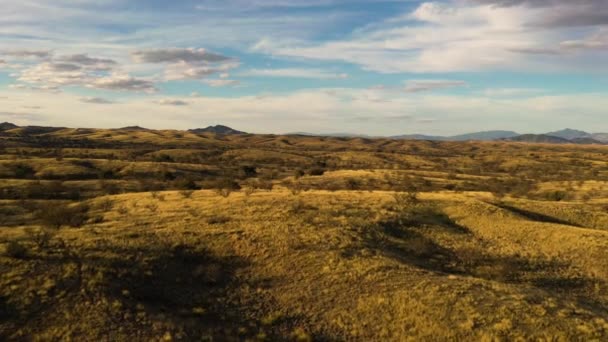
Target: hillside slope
x=318, y=265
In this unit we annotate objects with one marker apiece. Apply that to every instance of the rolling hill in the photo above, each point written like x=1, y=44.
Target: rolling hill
x=5, y=126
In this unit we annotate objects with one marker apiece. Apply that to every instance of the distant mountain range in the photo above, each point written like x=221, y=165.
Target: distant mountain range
x=480, y=136
x=566, y=136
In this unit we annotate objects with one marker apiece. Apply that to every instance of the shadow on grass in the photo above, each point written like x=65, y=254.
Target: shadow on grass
x=534, y=216
x=7, y=311
x=145, y=293
x=408, y=244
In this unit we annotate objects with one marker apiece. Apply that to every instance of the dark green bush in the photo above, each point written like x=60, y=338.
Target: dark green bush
x=56, y=215
x=16, y=250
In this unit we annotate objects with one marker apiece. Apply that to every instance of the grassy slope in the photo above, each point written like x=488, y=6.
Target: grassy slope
x=328, y=265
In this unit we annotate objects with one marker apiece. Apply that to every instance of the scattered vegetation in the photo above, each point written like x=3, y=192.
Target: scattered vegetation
x=248, y=237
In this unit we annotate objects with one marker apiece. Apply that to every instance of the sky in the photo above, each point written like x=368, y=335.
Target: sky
x=376, y=67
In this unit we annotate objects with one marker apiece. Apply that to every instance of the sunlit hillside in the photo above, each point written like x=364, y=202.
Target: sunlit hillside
x=166, y=235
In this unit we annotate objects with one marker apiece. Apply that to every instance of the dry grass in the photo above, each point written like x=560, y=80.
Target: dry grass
x=340, y=266
x=330, y=239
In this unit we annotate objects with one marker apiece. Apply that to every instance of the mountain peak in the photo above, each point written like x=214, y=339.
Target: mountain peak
x=570, y=134
x=133, y=128
x=217, y=129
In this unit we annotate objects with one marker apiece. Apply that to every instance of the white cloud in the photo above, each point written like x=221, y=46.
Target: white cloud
x=122, y=82
x=100, y=64
x=222, y=83
x=417, y=86
x=44, y=88
x=448, y=37
x=96, y=100
x=26, y=53
x=53, y=74
x=192, y=71
x=176, y=55
x=295, y=73
x=186, y=63
x=20, y=118
x=511, y=92
x=320, y=110
x=168, y=102
x=596, y=41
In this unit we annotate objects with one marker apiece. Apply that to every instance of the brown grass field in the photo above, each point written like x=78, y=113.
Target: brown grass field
x=140, y=235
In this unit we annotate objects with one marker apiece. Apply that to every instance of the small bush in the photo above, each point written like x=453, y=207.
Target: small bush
x=185, y=184
x=264, y=185
x=57, y=215
x=299, y=173
x=316, y=171
x=224, y=186
x=248, y=171
x=41, y=237
x=405, y=200
x=248, y=191
x=186, y=193
x=16, y=250
x=218, y=219
x=153, y=207
x=556, y=196
x=157, y=196
x=24, y=171
x=105, y=205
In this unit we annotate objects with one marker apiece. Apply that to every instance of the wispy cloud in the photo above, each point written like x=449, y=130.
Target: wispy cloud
x=460, y=36
x=123, y=82
x=295, y=73
x=168, y=102
x=285, y=52
x=175, y=55
x=417, y=86
x=316, y=110
x=96, y=100
x=187, y=63
x=510, y=92
x=222, y=83
x=26, y=53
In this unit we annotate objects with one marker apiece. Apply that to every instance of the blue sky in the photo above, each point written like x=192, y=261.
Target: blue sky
x=272, y=66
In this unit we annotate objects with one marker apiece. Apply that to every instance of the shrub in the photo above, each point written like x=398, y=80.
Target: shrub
x=186, y=193
x=556, y=196
x=294, y=187
x=264, y=185
x=405, y=200
x=41, y=237
x=299, y=173
x=153, y=207
x=248, y=171
x=105, y=205
x=249, y=191
x=57, y=215
x=317, y=171
x=185, y=183
x=218, y=219
x=16, y=250
x=24, y=171
x=224, y=186
x=353, y=184
x=157, y=196
x=223, y=192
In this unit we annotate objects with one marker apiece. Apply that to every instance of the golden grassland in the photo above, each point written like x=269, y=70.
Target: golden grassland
x=345, y=239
